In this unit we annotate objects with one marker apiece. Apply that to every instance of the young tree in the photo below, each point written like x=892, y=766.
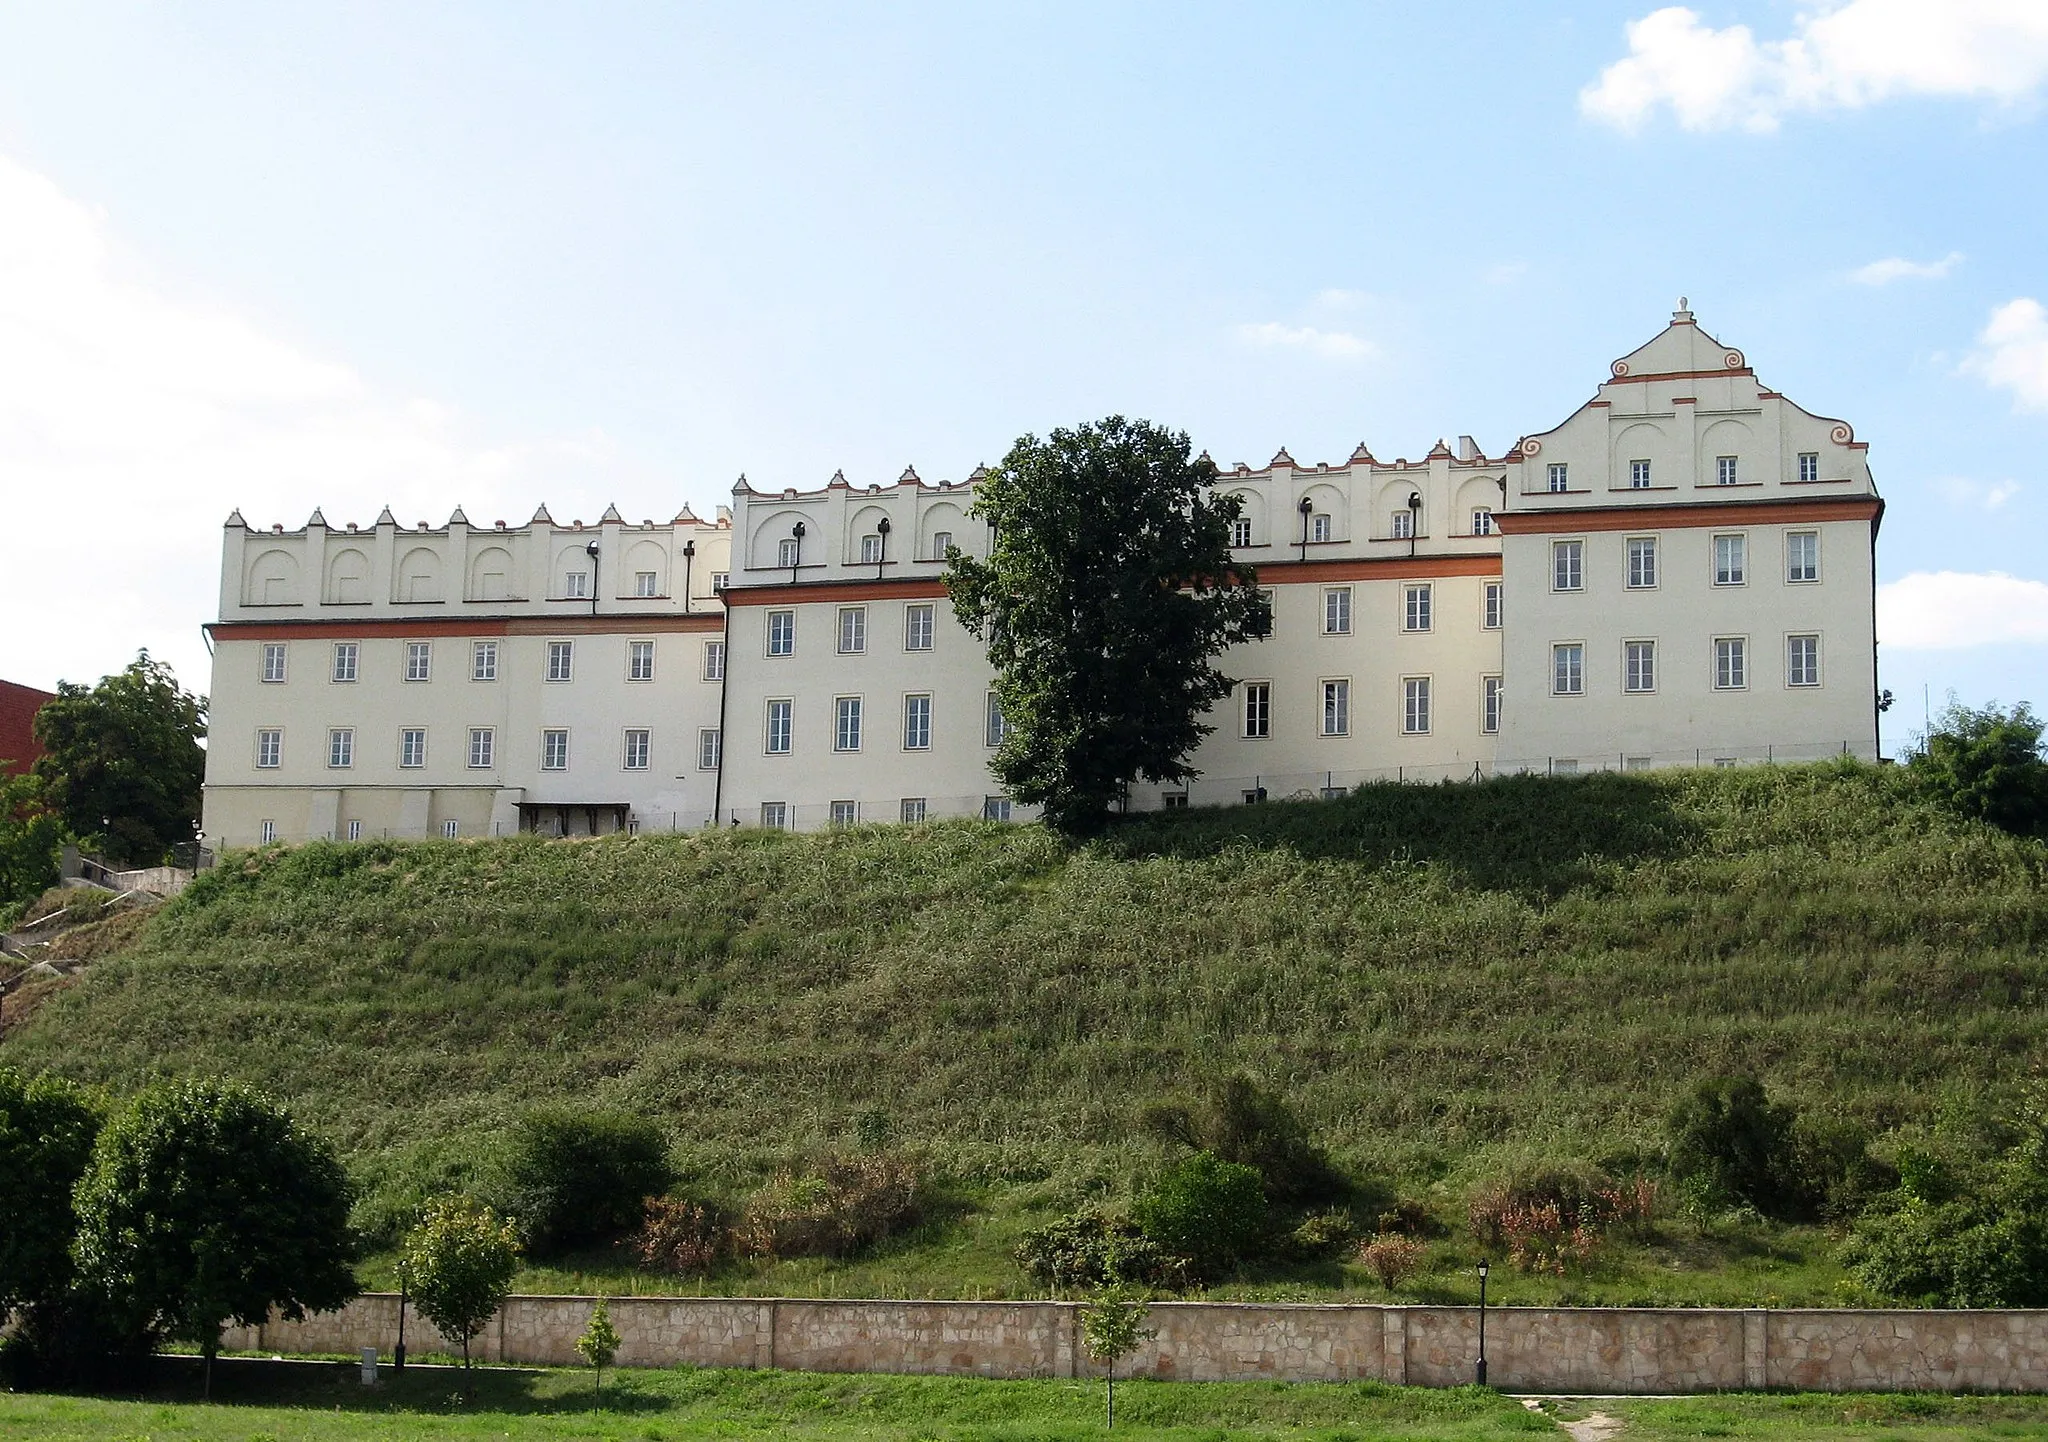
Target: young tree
x=1108, y=592
x=460, y=1261
x=1113, y=1327
x=1987, y=764
x=122, y=759
x=599, y=1343
x=47, y=1128
x=206, y=1203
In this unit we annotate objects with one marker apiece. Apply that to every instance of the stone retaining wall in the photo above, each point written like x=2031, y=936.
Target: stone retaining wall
x=1534, y=1349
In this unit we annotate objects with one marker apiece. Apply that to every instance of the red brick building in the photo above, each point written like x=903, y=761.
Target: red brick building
x=18, y=707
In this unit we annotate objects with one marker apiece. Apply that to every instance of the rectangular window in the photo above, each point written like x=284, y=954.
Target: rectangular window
x=1404, y=524
x=412, y=747
x=913, y=808
x=1724, y=470
x=341, y=748
x=639, y=660
x=997, y=728
x=1319, y=528
x=644, y=583
x=636, y=750
x=345, y=656
x=561, y=660
x=787, y=552
x=1809, y=465
x=853, y=630
x=267, y=829
x=1482, y=521
x=1635, y=763
x=554, y=750
x=846, y=723
x=1639, y=665
x=450, y=829
x=419, y=660
x=355, y=830
x=273, y=661
x=1489, y=705
x=778, y=728
x=1490, y=617
x=1173, y=801
x=483, y=661
x=917, y=723
x=1642, y=562
x=995, y=808
x=1731, y=560
x=871, y=550
x=917, y=627
x=1802, y=660
x=1562, y=767
x=1241, y=531
x=1258, y=710
x=775, y=814
x=269, y=748
x=845, y=813
x=1567, y=565
x=1415, y=705
x=1336, y=708
x=482, y=747
x=1802, y=556
x=1415, y=609
x=1560, y=476
x=782, y=633
x=1337, y=611
x=942, y=542
x=1639, y=475
x=707, y=748
x=1731, y=663
x=1253, y=797
x=720, y=580
x=576, y=585
x=1568, y=670
x=714, y=660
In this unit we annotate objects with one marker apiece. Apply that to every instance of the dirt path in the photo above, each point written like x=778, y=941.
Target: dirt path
x=1593, y=1427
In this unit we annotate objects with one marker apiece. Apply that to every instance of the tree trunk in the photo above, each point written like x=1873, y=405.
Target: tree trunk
x=468, y=1382
x=1109, y=1418
x=206, y=1387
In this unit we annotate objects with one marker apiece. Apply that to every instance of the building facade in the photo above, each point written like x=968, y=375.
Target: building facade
x=1680, y=573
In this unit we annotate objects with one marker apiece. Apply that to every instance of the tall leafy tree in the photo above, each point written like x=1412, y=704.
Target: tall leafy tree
x=122, y=760
x=207, y=1204
x=1987, y=763
x=47, y=1127
x=1107, y=595
x=31, y=836
x=459, y=1264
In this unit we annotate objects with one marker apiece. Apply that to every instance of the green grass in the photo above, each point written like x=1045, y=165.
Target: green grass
x=1820, y=1417
x=1439, y=977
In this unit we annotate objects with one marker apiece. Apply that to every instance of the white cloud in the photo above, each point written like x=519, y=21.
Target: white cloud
x=2013, y=353
x=1839, y=57
x=1884, y=272
x=1977, y=495
x=132, y=420
x=1329, y=344
x=1949, y=610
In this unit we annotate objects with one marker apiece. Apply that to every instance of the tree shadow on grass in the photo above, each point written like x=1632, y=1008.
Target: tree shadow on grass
x=331, y=1386
x=1542, y=835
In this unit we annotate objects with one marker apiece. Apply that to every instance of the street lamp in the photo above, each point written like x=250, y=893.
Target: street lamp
x=796, y=556
x=1305, y=508
x=1481, y=1378
x=882, y=529
x=591, y=551
x=689, y=565
x=1414, y=519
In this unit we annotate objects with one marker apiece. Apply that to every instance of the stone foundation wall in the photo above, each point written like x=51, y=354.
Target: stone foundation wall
x=1534, y=1349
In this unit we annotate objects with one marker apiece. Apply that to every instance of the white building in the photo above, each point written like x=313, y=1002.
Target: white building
x=1680, y=573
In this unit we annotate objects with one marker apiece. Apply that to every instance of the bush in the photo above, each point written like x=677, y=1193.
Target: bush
x=1205, y=1209
x=1731, y=1146
x=845, y=1205
x=1408, y=1217
x=1322, y=1234
x=1987, y=765
x=47, y=1127
x=680, y=1236
x=1092, y=1249
x=572, y=1178
x=1509, y=1199
x=1239, y=1121
x=1392, y=1259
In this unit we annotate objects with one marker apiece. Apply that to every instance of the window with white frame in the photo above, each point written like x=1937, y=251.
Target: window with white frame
x=1489, y=705
x=1639, y=666
x=561, y=660
x=714, y=660
x=1802, y=660
x=1258, y=710
x=451, y=829
x=341, y=748
x=639, y=660
x=419, y=660
x=1337, y=708
x=1731, y=663
x=1490, y=613
x=1415, y=608
x=1564, y=766
x=412, y=747
x=1802, y=556
x=576, y=585
x=1731, y=560
x=846, y=723
x=646, y=583
x=845, y=813
x=942, y=542
x=483, y=745
x=917, y=722
x=1642, y=562
x=775, y=815
x=636, y=749
x=355, y=829
x=554, y=749
x=269, y=748
x=1415, y=705
x=1567, y=669
x=1567, y=565
x=995, y=808
x=871, y=550
x=1482, y=520
x=1403, y=524
x=1241, y=531
x=273, y=661
x=707, y=748
x=483, y=660
x=1173, y=801
x=1809, y=465
x=1639, y=475
x=720, y=580
x=346, y=654
x=1635, y=763
x=1724, y=470
x=853, y=630
x=781, y=633
x=912, y=808
x=788, y=551
x=1336, y=610
x=1319, y=527
x=779, y=727
x=996, y=728
x=267, y=830
x=917, y=626
x=1560, y=476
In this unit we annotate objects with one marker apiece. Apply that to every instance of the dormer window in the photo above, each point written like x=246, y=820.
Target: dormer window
x=1319, y=527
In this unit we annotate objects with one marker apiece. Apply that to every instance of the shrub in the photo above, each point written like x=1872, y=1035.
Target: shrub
x=1572, y=1190
x=1409, y=1217
x=1540, y=1238
x=1239, y=1121
x=1391, y=1258
x=576, y=1177
x=1096, y=1249
x=1987, y=765
x=1828, y=1169
x=680, y=1236
x=1205, y=1209
x=1629, y=1206
x=846, y=1204
x=1322, y=1234
x=1730, y=1145
x=47, y=1127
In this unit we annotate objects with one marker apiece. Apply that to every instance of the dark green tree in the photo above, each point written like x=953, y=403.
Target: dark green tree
x=1729, y=1144
x=122, y=760
x=47, y=1128
x=207, y=1204
x=31, y=837
x=1987, y=763
x=574, y=1177
x=1210, y=1211
x=1108, y=592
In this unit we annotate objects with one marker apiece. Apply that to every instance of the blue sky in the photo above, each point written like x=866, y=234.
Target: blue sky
x=497, y=254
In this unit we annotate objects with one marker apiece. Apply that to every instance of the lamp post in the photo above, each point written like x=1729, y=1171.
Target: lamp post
x=590, y=550
x=1414, y=519
x=398, y=1352
x=1305, y=508
x=689, y=566
x=882, y=551
x=796, y=555
x=1481, y=1377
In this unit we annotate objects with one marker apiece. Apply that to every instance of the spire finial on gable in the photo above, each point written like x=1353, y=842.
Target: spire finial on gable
x=1683, y=315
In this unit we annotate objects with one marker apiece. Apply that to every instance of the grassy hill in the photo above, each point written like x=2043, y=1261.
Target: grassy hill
x=1436, y=977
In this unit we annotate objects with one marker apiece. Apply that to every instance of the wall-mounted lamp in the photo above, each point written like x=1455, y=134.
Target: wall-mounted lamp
x=590, y=550
x=882, y=529
x=689, y=567
x=1306, y=507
